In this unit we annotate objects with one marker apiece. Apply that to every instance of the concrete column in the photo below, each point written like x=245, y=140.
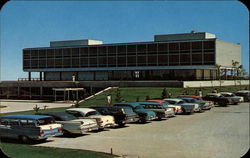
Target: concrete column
x=18, y=91
x=29, y=76
x=41, y=92
x=41, y=76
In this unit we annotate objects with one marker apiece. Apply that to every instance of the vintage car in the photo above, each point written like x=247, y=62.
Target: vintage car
x=161, y=109
x=177, y=108
x=103, y=121
x=194, y=101
x=231, y=100
x=217, y=99
x=235, y=98
x=29, y=127
x=122, y=115
x=207, y=105
x=144, y=115
x=187, y=108
x=245, y=94
x=72, y=125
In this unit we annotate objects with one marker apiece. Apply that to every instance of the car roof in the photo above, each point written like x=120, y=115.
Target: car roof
x=59, y=114
x=186, y=98
x=153, y=103
x=173, y=99
x=105, y=106
x=133, y=104
x=156, y=101
x=83, y=110
x=26, y=116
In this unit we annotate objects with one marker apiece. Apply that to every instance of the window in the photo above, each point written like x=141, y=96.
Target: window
x=75, y=52
x=121, y=61
x=152, y=60
x=185, y=46
x=208, y=44
x=142, y=60
x=111, y=51
x=14, y=122
x=196, y=45
x=67, y=52
x=26, y=54
x=163, y=60
x=23, y=122
x=102, y=51
x=50, y=53
x=58, y=53
x=84, y=52
x=93, y=51
x=131, y=48
x=174, y=47
x=121, y=50
x=162, y=47
x=152, y=47
x=84, y=62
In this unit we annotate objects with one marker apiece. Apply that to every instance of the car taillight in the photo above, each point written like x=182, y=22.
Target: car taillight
x=41, y=133
x=59, y=129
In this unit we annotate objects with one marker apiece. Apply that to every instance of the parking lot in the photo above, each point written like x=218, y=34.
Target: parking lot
x=220, y=132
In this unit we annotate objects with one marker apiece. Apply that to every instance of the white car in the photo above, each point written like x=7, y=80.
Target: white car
x=228, y=94
x=72, y=125
x=103, y=121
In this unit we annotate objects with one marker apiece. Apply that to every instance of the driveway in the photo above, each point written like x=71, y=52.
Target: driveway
x=24, y=105
x=222, y=132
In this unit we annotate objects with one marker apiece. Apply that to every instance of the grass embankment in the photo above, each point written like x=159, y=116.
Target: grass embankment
x=26, y=151
x=134, y=93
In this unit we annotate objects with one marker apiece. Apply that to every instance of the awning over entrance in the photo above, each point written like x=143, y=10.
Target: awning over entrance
x=67, y=90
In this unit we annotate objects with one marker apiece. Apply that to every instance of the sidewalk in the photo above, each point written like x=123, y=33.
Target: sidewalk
x=25, y=105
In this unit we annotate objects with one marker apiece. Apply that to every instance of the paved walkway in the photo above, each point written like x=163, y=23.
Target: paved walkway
x=24, y=105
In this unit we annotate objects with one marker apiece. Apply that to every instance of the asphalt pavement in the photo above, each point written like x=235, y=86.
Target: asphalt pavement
x=222, y=132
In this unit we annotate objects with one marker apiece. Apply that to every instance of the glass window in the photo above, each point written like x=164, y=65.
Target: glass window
x=141, y=48
x=75, y=52
x=111, y=51
x=67, y=52
x=131, y=48
x=196, y=45
x=163, y=60
x=93, y=51
x=121, y=61
x=84, y=62
x=174, y=47
x=58, y=63
x=84, y=52
x=75, y=62
x=174, y=59
x=23, y=122
x=152, y=47
x=185, y=58
x=111, y=61
x=42, y=53
x=50, y=63
x=93, y=62
x=42, y=63
x=102, y=51
x=102, y=61
x=162, y=47
x=34, y=54
x=152, y=60
x=58, y=53
x=131, y=60
x=26, y=54
x=66, y=62
x=14, y=122
x=208, y=44
x=142, y=60
x=34, y=63
x=185, y=46
x=121, y=50
x=50, y=53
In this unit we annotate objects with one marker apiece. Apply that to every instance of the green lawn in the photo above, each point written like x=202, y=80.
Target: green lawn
x=27, y=151
x=131, y=94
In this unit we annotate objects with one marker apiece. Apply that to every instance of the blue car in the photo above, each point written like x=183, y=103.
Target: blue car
x=144, y=115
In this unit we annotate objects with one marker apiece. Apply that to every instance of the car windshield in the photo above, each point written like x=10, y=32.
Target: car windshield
x=171, y=101
x=139, y=107
x=67, y=117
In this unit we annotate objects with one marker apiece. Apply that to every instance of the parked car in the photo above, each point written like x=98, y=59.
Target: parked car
x=217, y=99
x=207, y=105
x=192, y=100
x=29, y=127
x=103, y=121
x=161, y=109
x=144, y=115
x=122, y=115
x=177, y=108
x=72, y=125
x=235, y=98
x=187, y=108
x=231, y=100
x=245, y=94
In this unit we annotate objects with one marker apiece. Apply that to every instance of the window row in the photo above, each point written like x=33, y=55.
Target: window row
x=201, y=46
x=161, y=60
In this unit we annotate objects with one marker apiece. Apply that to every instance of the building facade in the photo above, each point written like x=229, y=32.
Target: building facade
x=189, y=56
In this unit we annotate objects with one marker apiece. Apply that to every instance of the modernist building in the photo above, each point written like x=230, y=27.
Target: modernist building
x=188, y=56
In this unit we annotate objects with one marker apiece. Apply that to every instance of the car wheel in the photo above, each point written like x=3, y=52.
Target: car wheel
x=121, y=124
x=24, y=139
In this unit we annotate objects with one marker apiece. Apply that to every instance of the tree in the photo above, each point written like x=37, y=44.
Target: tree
x=137, y=99
x=118, y=96
x=164, y=93
x=148, y=97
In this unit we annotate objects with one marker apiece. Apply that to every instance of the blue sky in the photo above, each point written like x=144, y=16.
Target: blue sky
x=27, y=24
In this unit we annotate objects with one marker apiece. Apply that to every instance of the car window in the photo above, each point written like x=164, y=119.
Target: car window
x=75, y=113
x=14, y=122
x=171, y=101
x=139, y=107
x=45, y=121
x=92, y=113
x=4, y=121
